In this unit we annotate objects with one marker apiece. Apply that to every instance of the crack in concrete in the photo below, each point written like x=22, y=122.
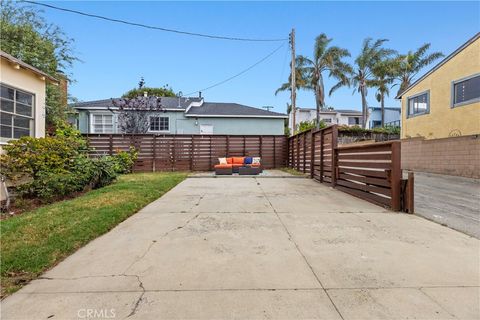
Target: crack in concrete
x=290, y=237
x=137, y=303
x=436, y=302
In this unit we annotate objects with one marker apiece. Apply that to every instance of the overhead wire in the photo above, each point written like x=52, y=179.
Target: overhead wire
x=238, y=74
x=142, y=25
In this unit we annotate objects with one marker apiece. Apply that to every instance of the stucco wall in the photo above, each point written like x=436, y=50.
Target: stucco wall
x=30, y=82
x=443, y=120
x=179, y=124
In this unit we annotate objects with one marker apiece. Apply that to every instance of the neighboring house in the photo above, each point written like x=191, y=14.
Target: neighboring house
x=330, y=116
x=392, y=117
x=185, y=116
x=22, y=99
x=445, y=101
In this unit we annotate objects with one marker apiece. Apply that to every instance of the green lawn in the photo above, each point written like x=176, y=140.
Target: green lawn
x=37, y=240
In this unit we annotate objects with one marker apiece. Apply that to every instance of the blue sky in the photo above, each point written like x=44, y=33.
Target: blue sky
x=115, y=56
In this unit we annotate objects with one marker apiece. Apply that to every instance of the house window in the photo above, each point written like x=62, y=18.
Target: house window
x=419, y=104
x=159, y=124
x=102, y=123
x=353, y=120
x=466, y=91
x=206, y=129
x=376, y=123
x=327, y=120
x=16, y=113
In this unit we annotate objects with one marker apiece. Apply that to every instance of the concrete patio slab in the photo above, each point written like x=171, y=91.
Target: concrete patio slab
x=262, y=248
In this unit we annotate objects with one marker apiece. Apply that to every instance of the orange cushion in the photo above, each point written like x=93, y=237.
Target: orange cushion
x=238, y=160
x=236, y=165
x=223, y=166
x=229, y=160
x=255, y=165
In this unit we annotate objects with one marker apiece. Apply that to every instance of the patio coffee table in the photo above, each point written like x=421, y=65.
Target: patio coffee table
x=249, y=171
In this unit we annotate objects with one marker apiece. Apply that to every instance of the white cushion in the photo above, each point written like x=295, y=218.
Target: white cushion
x=255, y=160
x=222, y=160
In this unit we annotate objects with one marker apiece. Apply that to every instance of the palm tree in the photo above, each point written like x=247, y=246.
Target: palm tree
x=309, y=72
x=362, y=76
x=412, y=62
x=325, y=59
x=384, y=72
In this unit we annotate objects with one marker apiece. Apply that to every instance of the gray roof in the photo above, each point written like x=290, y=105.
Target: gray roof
x=167, y=102
x=441, y=63
x=12, y=59
x=207, y=109
x=220, y=109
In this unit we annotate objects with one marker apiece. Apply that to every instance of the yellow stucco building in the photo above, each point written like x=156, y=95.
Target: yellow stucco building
x=445, y=102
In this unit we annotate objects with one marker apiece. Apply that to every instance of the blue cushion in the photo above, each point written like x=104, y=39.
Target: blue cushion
x=248, y=160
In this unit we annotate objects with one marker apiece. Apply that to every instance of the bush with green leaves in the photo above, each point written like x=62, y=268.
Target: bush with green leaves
x=55, y=167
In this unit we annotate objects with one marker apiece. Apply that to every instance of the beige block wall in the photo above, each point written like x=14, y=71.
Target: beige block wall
x=443, y=120
x=27, y=81
x=459, y=156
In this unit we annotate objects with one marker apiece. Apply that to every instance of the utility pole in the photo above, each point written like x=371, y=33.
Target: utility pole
x=293, y=81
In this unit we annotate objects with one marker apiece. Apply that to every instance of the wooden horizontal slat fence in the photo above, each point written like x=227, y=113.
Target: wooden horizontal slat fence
x=369, y=171
x=191, y=152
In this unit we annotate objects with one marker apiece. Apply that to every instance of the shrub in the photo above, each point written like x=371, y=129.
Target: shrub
x=54, y=167
x=125, y=160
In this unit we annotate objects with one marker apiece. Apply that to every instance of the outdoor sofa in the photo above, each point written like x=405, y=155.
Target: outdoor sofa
x=240, y=165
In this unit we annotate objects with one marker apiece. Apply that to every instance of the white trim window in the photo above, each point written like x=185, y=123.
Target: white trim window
x=102, y=123
x=466, y=90
x=418, y=104
x=17, y=110
x=159, y=124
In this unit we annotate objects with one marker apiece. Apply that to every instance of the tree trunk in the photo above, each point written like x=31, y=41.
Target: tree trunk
x=318, y=104
x=383, y=108
x=364, y=107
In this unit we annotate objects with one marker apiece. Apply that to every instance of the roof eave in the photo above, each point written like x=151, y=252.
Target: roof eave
x=441, y=63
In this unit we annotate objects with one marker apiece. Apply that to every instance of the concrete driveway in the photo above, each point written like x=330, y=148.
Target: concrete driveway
x=264, y=248
x=449, y=200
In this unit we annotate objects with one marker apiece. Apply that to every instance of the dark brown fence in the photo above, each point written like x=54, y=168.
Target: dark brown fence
x=191, y=152
x=369, y=171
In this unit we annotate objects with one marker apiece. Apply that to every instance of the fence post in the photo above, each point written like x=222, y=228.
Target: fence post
x=322, y=133
x=110, y=145
x=192, y=141
x=304, y=152
x=261, y=147
x=210, y=163
x=274, y=152
x=396, y=176
x=298, y=152
x=228, y=146
x=334, y=155
x=410, y=193
x=312, y=153
x=154, y=151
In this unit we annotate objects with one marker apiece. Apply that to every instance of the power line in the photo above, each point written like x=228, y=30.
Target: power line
x=238, y=74
x=141, y=25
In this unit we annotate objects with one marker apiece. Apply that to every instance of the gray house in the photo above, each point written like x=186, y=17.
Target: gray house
x=185, y=116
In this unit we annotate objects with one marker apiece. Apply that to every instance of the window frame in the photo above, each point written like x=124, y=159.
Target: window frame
x=452, y=92
x=92, y=122
x=427, y=92
x=31, y=118
x=159, y=125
